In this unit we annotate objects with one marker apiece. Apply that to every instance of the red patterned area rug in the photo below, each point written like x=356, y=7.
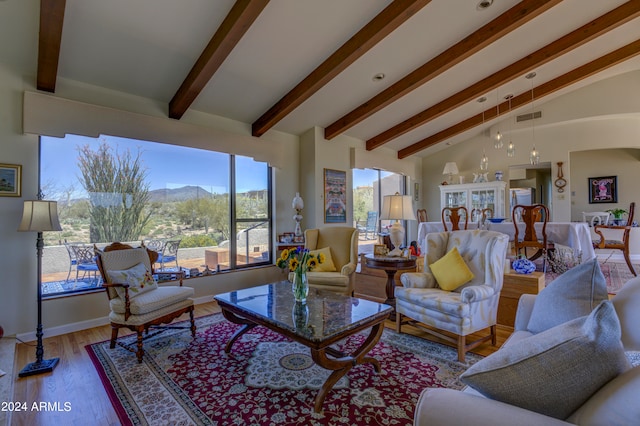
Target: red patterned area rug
x=267, y=379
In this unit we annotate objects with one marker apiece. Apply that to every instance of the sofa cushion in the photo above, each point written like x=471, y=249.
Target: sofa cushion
x=138, y=278
x=572, y=295
x=325, y=260
x=556, y=371
x=151, y=301
x=450, y=271
x=627, y=305
x=616, y=403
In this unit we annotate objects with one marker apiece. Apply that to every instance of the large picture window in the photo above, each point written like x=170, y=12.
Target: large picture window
x=203, y=211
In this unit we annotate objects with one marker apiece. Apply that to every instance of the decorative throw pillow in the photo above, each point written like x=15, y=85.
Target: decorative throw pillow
x=450, y=271
x=138, y=278
x=572, y=295
x=554, y=372
x=327, y=264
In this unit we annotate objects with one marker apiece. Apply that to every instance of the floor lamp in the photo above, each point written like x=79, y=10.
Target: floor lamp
x=397, y=207
x=39, y=216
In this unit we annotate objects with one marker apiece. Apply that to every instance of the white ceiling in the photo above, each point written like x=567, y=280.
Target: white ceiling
x=147, y=47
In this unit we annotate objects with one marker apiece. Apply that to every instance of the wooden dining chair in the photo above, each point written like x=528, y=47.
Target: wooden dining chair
x=622, y=244
x=455, y=215
x=530, y=215
x=421, y=214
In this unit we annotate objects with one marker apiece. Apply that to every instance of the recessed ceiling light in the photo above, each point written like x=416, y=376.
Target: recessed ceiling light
x=378, y=77
x=530, y=75
x=482, y=99
x=484, y=4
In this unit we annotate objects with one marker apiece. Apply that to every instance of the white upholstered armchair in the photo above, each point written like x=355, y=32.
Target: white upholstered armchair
x=343, y=244
x=469, y=308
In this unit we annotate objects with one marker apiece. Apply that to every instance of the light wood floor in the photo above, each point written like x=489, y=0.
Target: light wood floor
x=76, y=381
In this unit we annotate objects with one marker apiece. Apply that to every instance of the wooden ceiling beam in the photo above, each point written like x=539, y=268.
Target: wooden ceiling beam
x=49, y=40
x=607, y=22
x=598, y=65
x=394, y=15
x=235, y=25
x=512, y=19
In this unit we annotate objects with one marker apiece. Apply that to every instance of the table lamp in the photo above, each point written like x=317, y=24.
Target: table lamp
x=298, y=205
x=39, y=216
x=397, y=207
x=451, y=168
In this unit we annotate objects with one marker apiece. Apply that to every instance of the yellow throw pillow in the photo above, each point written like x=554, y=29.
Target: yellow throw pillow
x=327, y=264
x=450, y=271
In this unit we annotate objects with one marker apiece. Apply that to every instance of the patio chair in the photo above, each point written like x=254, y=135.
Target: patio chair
x=169, y=253
x=72, y=256
x=137, y=302
x=85, y=261
x=156, y=245
x=371, y=225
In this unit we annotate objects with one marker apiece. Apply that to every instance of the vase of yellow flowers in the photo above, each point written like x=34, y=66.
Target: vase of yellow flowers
x=299, y=261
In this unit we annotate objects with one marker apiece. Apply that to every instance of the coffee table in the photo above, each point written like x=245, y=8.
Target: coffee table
x=323, y=320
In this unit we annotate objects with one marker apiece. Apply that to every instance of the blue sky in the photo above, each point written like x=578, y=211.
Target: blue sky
x=167, y=166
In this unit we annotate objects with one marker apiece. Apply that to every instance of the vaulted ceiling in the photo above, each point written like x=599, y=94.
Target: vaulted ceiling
x=403, y=74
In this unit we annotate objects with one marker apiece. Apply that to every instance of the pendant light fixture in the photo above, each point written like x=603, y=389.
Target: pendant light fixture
x=534, y=155
x=498, y=144
x=484, y=161
x=511, y=148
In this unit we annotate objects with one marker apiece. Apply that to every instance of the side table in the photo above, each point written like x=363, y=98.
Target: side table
x=391, y=265
x=514, y=286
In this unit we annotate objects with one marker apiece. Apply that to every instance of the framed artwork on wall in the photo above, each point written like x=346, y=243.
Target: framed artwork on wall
x=10, y=180
x=335, y=196
x=603, y=189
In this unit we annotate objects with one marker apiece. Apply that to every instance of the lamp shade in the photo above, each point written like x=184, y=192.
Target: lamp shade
x=398, y=207
x=451, y=168
x=298, y=203
x=39, y=216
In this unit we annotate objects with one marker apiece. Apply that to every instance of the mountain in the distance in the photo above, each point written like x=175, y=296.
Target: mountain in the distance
x=183, y=193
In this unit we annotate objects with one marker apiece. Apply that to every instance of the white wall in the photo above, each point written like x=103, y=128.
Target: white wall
x=605, y=114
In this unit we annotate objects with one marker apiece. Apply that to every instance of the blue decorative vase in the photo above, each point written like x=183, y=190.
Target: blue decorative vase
x=523, y=266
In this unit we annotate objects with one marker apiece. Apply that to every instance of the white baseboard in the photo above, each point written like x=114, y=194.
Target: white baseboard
x=84, y=325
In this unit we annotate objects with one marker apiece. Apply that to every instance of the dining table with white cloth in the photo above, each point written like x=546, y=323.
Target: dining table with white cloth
x=575, y=235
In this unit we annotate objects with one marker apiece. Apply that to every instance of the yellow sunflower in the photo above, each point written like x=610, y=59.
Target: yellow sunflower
x=293, y=264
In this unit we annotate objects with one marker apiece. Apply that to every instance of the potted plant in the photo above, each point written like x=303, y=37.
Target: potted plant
x=617, y=215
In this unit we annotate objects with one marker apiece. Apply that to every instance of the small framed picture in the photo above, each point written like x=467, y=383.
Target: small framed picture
x=603, y=189
x=10, y=180
x=380, y=250
x=282, y=238
x=298, y=239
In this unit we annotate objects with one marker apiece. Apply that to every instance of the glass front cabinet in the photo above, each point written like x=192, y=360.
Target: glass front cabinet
x=475, y=196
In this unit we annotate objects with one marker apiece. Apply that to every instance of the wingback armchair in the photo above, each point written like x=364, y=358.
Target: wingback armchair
x=467, y=309
x=135, y=299
x=343, y=244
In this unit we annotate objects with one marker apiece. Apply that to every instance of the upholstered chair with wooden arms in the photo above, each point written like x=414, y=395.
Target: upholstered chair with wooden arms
x=137, y=302
x=460, y=309
x=337, y=274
